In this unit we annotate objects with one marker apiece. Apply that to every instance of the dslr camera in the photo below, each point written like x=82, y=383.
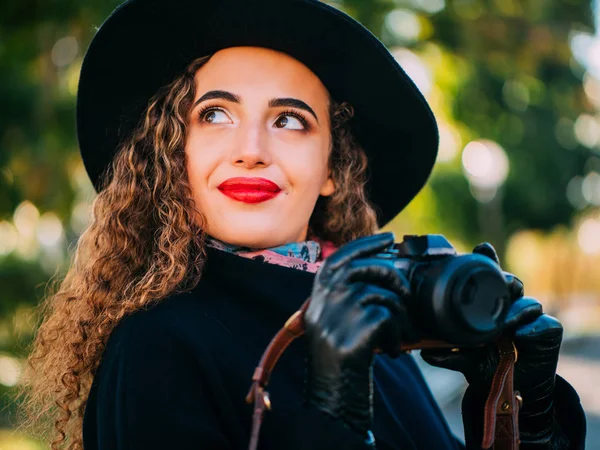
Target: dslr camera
x=461, y=300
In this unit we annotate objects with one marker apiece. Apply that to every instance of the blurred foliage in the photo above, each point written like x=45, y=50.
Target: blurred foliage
x=12, y=441
x=499, y=69
x=513, y=81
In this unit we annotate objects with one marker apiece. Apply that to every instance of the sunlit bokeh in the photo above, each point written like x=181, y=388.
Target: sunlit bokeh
x=588, y=236
x=404, y=24
x=590, y=187
x=485, y=163
x=8, y=237
x=49, y=230
x=10, y=370
x=65, y=51
x=26, y=219
x=587, y=130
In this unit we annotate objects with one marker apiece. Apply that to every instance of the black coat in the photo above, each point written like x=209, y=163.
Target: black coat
x=175, y=376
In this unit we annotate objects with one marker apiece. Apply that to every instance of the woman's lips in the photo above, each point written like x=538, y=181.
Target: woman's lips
x=249, y=190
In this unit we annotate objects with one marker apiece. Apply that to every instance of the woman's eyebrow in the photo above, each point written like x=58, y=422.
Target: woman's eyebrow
x=294, y=103
x=273, y=103
x=224, y=95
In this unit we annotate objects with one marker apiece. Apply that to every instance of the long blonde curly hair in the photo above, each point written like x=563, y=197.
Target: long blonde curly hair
x=141, y=246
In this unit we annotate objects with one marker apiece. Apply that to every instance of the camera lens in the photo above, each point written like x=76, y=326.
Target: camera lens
x=480, y=299
x=462, y=300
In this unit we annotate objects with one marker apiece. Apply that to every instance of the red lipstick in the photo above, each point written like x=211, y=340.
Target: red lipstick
x=249, y=190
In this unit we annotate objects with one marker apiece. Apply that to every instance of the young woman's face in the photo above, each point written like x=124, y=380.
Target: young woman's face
x=258, y=146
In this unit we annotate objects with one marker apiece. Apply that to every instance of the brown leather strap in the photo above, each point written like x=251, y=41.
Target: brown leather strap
x=501, y=409
x=293, y=328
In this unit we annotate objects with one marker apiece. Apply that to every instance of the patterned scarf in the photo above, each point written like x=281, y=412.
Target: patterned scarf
x=306, y=255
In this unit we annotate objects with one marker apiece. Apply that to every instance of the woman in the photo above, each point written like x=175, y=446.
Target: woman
x=229, y=143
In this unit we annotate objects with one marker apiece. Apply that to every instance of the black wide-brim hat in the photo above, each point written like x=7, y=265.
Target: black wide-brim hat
x=145, y=44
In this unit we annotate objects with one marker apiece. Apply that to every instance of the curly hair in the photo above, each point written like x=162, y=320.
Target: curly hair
x=141, y=246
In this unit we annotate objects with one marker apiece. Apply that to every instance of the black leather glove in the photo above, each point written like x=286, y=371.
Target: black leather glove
x=537, y=338
x=356, y=306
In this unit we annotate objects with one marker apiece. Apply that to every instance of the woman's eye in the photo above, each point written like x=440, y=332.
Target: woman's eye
x=215, y=116
x=290, y=122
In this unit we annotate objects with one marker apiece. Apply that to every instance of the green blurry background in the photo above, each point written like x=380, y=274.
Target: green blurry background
x=515, y=85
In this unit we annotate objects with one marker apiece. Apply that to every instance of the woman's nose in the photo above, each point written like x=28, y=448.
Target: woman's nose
x=251, y=147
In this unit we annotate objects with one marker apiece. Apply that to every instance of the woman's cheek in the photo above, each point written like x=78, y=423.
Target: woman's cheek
x=203, y=158
x=304, y=163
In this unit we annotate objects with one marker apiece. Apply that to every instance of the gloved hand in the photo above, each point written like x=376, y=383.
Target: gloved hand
x=537, y=338
x=356, y=306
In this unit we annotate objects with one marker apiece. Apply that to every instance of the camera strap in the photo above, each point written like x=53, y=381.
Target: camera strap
x=293, y=328
x=501, y=411
x=501, y=427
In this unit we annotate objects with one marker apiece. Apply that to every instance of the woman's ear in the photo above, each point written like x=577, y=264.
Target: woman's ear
x=328, y=187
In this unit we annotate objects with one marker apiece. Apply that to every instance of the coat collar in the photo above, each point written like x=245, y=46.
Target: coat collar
x=277, y=289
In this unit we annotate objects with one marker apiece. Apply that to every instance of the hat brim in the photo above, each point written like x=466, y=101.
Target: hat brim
x=145, y=44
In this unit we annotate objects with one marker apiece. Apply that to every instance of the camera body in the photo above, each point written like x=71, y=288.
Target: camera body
x=461, y=300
